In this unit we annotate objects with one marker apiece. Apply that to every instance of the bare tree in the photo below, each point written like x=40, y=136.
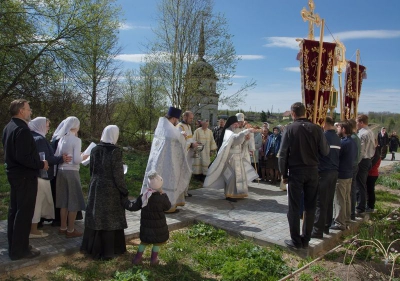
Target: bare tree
x=176, y=48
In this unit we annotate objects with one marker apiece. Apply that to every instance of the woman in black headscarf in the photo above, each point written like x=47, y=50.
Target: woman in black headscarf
x=231, y=120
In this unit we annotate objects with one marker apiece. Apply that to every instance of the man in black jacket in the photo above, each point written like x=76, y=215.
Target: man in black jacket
x=22, y=167
x=301, y=144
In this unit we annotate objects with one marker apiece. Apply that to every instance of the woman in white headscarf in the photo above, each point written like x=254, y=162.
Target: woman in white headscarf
x=44, y=207
x=105, y=219
x=69, y=196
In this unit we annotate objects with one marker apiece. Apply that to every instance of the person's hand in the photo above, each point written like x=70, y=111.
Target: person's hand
x=195, y=144
x=46, y=165
x=285, y=181
x=84, y=156
x=67, y=158
x=247, y=137
x=251, y=153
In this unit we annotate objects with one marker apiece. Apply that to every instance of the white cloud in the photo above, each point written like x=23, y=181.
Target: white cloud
x=290, y=42
x=136, y=58
x=251, y=57
x=388, y=91
x=284, y=42
x=128, y=26
x=367, y=34
x=292, y=69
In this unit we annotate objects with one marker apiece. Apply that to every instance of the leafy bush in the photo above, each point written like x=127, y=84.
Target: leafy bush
x=207, y=233
x=131, y=275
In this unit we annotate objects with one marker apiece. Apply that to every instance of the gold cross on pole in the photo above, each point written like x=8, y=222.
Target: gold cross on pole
x=311, y=17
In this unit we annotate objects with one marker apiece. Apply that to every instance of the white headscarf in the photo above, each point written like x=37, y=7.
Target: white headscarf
x=110, y=134
x=38, y=125
x=154, y=184
x=59, y=127
x=65, y=127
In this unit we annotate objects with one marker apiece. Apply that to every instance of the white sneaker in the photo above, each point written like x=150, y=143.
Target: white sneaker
x=35, y=236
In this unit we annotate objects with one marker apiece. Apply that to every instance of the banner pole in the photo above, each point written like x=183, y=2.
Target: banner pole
x=357, y=82
x=321, y=42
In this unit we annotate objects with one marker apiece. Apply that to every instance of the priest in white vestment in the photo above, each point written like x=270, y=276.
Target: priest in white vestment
x=249, y=143
x=204, y=136
x=230, y=169
x=168, y=158
x=185, y=128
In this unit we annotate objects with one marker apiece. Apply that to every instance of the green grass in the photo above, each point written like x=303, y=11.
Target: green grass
x=200, y=252
x=384, y=196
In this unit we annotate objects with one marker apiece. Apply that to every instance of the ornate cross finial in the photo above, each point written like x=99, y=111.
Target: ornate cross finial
x=311, y=17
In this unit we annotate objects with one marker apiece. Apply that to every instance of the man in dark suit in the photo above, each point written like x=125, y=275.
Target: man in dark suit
x=22, y=167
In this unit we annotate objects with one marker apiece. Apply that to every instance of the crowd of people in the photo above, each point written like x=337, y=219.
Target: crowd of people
x=330, y=173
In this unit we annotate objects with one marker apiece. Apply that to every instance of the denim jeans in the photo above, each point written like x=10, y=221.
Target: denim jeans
x=324, y=208
x=354, y=192
x=363, y=168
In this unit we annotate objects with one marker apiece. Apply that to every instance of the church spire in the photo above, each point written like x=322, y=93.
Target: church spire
x=202, y=47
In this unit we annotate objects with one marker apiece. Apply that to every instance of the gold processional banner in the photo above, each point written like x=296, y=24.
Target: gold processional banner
x=308, y=57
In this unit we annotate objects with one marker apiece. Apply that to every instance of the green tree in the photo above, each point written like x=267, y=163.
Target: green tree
x=263, y=116
x=89, y=60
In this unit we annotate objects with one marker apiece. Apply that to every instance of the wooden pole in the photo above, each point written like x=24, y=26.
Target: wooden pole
x=357, y=82
x=321, y=42
x=339, y=71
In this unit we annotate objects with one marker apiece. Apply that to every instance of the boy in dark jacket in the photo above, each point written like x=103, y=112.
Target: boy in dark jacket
x=153, y=224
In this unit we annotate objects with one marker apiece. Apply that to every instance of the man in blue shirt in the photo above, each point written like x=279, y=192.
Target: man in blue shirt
x=348, y=152
x=328, y=174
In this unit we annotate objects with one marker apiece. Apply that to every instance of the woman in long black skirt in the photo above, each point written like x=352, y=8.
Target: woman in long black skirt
x=105, y=219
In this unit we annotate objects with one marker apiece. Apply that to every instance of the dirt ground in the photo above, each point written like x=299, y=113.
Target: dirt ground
x=335, y=267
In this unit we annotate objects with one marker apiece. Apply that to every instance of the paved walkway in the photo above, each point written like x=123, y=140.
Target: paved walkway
x=260, y=217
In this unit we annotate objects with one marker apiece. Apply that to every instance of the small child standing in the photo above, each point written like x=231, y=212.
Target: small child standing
x=153, y=224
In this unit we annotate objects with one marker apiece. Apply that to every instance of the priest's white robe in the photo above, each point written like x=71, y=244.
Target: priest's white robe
x=168, y=158
x=200, y=165
x=230, y=169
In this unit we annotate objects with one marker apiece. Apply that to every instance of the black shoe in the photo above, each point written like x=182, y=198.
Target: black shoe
x=353, y=217
x=316, y=236
x=32, y=253
x=231, y=199
x=304, y=243
x=326, y=231
x=291, y=245
x=56, y=223
x=188, y=195
x=337, y=227
x=79, y=216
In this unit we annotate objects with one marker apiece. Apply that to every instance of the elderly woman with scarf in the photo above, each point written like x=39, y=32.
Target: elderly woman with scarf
x=44, y=207
x=105, y=219
x=69, y=196
x=153, y=224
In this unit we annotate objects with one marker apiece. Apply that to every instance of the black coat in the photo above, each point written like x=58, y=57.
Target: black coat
x=394, y=143
x=153, y=224
x=104, y=210
x=20, y=152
